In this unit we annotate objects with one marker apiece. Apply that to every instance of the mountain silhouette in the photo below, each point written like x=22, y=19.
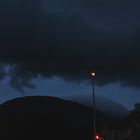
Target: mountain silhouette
x=109, y=108
x=50, y=118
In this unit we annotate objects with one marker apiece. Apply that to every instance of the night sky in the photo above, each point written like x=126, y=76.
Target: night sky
x=51, y=46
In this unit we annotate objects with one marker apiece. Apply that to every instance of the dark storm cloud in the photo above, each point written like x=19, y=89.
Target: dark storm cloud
x=69, y=39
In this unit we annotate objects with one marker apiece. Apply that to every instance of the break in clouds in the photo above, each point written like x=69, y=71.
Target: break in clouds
x=69, y=39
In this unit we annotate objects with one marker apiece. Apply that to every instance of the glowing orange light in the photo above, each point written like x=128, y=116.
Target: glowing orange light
x=97, y=137
x=93, y=74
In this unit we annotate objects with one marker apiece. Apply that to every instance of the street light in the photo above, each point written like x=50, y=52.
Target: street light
x=93, y=74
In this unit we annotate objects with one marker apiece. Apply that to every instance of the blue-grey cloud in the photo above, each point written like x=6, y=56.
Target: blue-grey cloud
x=69, y=39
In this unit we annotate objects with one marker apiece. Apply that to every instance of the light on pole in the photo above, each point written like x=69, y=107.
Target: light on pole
x=93, y=74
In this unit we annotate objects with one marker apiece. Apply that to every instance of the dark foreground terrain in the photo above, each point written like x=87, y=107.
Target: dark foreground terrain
x=46, y=118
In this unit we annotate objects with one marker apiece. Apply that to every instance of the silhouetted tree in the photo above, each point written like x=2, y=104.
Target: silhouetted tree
x=137, y=108
x=135, y=121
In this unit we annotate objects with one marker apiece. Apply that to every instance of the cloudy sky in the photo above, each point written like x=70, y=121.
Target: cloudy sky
x=68, y=39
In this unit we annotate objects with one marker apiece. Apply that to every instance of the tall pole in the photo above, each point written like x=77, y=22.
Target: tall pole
x=94, y=105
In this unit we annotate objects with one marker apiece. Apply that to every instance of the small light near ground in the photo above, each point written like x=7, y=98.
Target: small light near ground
x=97, y=137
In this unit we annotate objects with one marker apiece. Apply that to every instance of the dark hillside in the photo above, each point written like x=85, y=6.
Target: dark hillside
x=38, y=117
